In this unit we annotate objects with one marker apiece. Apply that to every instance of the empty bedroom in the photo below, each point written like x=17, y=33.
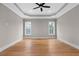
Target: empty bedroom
x=39, y=29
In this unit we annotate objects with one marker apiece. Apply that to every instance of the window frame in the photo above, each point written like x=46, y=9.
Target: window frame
x=54, y=31
x=25, y=29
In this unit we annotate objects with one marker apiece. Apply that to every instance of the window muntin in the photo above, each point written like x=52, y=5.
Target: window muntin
x=51, y=28
x=28, y=28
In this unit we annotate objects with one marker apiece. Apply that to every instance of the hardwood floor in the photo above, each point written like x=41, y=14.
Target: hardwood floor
x=40, y=47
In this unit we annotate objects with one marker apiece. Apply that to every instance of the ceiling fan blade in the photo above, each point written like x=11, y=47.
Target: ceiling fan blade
x=37, y=3
x=41, y=9
x=35, y=7
x=42, y=4
x=46, y=6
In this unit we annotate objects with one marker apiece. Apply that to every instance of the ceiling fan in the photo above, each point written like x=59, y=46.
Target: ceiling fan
x=41, y=6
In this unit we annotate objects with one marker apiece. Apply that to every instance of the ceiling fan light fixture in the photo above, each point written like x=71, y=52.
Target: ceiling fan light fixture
x=41, y=6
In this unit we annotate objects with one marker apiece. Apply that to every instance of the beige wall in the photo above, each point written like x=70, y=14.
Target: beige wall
x=11, y=27
x=68, y=27
x=40, y=27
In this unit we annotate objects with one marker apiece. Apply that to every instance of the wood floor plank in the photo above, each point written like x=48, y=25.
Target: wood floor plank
x=40, y=47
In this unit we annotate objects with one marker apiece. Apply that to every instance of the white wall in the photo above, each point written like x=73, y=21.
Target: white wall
x=68, y=27
x=11, y=27
x=40, y=27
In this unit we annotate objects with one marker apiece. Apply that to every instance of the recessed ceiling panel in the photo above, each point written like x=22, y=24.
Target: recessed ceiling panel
x=28, y=9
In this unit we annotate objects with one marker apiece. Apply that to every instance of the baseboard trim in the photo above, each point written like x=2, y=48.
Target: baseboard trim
x=73, y=45
x=9, y=45
x=39, y=38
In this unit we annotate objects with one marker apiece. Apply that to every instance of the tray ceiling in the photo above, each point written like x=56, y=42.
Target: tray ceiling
x=27, y=9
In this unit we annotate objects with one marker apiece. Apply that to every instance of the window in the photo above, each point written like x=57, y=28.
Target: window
x=51, y=28
x=28, y=28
